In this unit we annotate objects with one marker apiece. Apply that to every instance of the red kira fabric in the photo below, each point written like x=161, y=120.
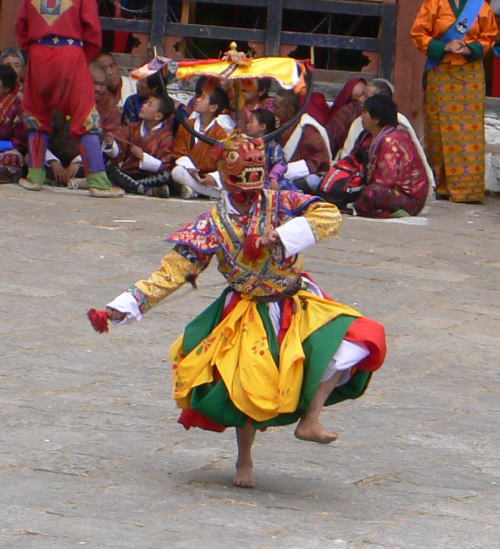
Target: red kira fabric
x=58, y=76
x=77, y=19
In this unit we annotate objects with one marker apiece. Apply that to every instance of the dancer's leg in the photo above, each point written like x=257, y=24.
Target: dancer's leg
x=245, y=437
x=309, y=427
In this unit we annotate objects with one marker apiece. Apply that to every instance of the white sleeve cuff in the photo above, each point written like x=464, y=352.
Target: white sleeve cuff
x=112, y=151
x=297, y=170
x=185, y=162
x=149, y=163
x=296, y=235
x=77, y=160
x=125, y=303
x=49, y=156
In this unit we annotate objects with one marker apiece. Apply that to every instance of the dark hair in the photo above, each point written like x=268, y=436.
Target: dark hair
x=383, y=108
x=382, y=87
x=164, y=106
x=153, y=81
x=265, y=116
x=290, y=98
x=8, y=77
x=263, y=87
x=106, y=52
x=219, y=97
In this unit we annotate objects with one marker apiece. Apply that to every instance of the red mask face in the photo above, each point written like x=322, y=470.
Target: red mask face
x=242, y=163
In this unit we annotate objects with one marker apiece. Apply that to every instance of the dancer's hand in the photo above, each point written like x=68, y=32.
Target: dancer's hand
x=113, y=314
x=270, y=239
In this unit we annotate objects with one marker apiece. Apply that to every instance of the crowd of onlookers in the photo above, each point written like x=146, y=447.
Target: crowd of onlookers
x=358, y=152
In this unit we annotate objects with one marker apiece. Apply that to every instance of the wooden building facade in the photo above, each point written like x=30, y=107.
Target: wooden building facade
x=343, y=37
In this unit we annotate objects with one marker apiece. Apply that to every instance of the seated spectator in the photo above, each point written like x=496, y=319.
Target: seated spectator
x=346, y=108
x=146, y=88
x=306, y=143
x=120, y=87
x=62, y=158
x=196, y=167
x=64, y=163
x=254, y=95
x=396, y=182
x=15, y=59
x=380, y=86
x=13, y=135
x=109, y=113
x=260, y=123
x=143, y=151
x=317, y=107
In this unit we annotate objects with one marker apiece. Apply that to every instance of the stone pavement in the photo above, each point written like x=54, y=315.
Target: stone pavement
x=90, y=451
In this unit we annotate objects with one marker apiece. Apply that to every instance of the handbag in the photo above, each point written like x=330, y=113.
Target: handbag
x=346, y=179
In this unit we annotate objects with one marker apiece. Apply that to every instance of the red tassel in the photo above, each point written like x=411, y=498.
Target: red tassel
x=252, y=248
x=99, y=320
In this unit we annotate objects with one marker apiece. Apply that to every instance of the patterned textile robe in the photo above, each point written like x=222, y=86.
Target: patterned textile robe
x=396, y=176
x=200, y=153
x=261, y=349
x=156, y=143
x=311, y=149
x=12, y=129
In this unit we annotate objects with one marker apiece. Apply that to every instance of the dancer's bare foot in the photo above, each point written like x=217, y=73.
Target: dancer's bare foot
x=313, y=431
x=244, y=477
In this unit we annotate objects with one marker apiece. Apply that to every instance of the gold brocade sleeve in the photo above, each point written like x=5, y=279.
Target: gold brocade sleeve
x=175, y=271
x=325, y=219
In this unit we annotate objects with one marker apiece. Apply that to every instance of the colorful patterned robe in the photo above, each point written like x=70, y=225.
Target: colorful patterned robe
x=394, y=169
x=201, y=153
x=237, y=360
x=157, y=142
x=13, y=130
x=311, y=148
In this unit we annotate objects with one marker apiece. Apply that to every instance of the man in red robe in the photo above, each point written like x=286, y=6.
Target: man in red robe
x=62, y=37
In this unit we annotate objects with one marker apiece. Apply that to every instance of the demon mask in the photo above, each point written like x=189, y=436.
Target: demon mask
x=242, y=163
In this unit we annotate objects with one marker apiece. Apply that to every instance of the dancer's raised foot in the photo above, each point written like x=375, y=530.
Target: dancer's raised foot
x=244, y=477
x=314, y=432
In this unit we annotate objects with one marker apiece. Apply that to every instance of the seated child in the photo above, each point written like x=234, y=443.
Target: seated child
x=145, y=89
x=196, y=167
x=143, y=150
x=260, y=123
x=254, y=95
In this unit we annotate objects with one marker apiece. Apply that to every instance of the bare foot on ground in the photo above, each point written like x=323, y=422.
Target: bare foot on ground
x=244, y=477
x=314, y=432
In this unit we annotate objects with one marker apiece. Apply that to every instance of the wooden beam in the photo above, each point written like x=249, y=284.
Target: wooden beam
x=216, y=32
x=388, y=38
x=273, y=27
x=330, y=41
x=334, y=6
x=128, y=25
x=158, y=25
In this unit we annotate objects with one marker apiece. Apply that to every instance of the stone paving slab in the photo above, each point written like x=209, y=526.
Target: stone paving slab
x=90, y=451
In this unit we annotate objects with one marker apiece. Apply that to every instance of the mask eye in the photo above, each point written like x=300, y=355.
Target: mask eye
x=232, y=157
